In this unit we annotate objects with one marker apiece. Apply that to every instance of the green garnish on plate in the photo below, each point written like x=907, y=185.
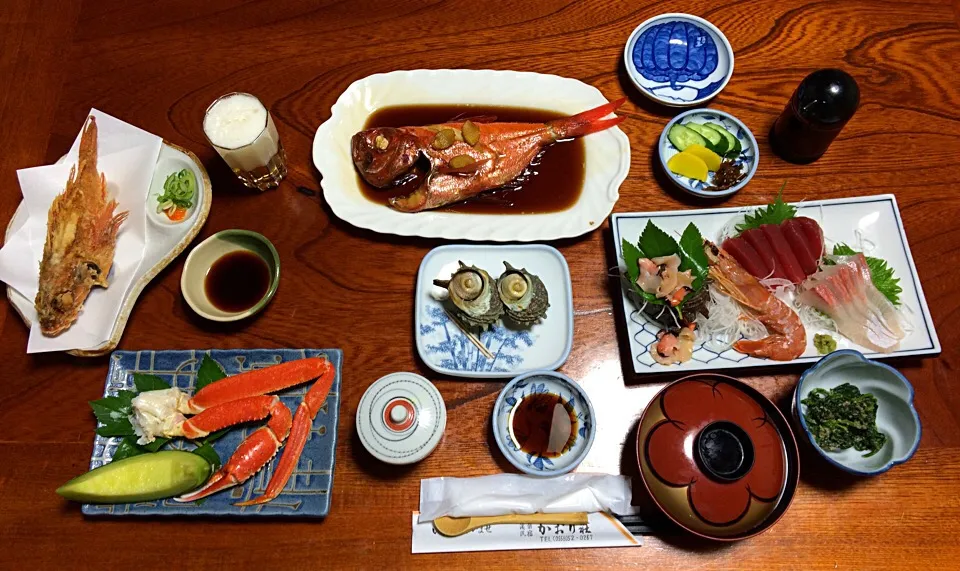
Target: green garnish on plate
x=825, y=343
x=842, y=418
x=178, y=191
x=773, y=213
x=881, y=274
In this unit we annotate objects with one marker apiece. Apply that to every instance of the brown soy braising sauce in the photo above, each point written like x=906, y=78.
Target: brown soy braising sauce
x=237, y=281
x=551, y=183
x=544, y=424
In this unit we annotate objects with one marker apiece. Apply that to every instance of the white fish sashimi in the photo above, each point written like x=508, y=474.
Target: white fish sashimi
x=845, y=292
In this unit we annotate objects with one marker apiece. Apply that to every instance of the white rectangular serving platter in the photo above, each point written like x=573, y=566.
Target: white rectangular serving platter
x=875, y=218
x=443, y=346
x=607, y=152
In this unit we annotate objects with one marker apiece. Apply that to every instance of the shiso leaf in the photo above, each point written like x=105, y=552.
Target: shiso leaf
x=881, y=274
x=210, y=371
x=774, y=213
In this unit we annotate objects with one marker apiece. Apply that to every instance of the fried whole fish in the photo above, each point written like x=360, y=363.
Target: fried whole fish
x=466, y=157
x=81, y=239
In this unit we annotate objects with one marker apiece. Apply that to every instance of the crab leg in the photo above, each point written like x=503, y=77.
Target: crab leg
x=254, y=452
x=258, y=382
x=237, y=401
x=299, y=434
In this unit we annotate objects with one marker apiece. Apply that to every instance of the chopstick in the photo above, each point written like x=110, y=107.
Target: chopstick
x=635, y=524
x=473, y=338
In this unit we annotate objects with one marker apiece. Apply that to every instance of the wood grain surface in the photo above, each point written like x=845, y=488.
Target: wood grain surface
x=159, y=64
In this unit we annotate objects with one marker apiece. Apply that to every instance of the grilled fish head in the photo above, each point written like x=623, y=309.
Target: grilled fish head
x=384, y=154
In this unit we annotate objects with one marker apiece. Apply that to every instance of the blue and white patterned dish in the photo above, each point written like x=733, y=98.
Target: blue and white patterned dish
x=307, y=494
x=749, y=156
x=516, y=349
x=897, y=417
x=678, y=60
x=536, y=382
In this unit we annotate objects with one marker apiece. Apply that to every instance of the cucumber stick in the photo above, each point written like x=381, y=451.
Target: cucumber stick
x=715, y=141
x=733, y=144
x=139, y=478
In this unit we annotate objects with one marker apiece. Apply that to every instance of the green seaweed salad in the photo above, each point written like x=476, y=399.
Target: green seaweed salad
x=842, y=418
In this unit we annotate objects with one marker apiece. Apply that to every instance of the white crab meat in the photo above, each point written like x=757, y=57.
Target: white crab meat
x=157, y=414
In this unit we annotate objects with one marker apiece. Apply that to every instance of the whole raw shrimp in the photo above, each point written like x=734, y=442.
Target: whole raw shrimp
x=787, y=337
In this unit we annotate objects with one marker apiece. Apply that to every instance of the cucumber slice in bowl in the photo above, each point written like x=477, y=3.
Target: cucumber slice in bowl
x=682, y=137
x=139, y=478
x=734, y=148
x=715, y=141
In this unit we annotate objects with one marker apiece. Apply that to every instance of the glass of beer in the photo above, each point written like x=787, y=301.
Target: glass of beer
x=241, y=129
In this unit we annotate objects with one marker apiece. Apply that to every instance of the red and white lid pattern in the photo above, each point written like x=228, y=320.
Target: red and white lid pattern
x=401, y=418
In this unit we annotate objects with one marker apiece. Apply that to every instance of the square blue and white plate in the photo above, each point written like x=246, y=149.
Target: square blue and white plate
x=307, y=494
x=516, y=349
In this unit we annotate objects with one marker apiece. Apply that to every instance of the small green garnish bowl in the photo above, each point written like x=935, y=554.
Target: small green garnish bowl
x=897, y=417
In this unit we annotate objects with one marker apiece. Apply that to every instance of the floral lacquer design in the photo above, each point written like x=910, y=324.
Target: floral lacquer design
x=718, y=443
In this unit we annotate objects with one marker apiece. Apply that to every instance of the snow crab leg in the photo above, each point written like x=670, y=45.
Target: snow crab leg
x=234, y=400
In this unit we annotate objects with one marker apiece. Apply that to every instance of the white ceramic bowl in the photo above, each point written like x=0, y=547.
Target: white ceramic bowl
x=576, y=399
x=896, y=416
x=678, y=60
x=192, y=280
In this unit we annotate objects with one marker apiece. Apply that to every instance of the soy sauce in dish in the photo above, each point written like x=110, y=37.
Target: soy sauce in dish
x=544, y=424
x=551, y=183
x=237, y=281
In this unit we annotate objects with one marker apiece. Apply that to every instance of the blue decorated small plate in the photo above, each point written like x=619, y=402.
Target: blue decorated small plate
x=897, y=418
x=533, y=401
x=307, y=493
x=509, y=348
x=749, y=156
x=678, y=60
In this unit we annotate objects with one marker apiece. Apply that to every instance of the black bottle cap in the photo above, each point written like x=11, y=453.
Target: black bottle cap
x=827, y=96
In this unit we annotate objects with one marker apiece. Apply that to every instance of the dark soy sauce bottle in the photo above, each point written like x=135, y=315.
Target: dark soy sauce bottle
x=822, y=104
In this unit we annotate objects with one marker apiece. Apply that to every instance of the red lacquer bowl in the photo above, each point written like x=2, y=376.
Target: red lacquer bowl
x=717, y=457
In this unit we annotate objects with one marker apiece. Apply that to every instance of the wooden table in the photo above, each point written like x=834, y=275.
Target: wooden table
x=158, y=65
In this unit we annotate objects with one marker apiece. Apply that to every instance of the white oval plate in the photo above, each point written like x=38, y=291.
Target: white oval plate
x=544, y=345
x=607, y=153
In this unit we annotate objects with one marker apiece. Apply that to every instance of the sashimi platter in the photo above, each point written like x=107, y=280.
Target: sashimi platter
x=776, y=283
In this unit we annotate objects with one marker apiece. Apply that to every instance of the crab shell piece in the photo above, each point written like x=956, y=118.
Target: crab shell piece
x=523, y=295
x=473, y=295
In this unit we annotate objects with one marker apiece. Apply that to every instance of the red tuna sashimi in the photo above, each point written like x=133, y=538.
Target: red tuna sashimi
x=785, y=257
x=748, y=257
x=801, y=246
x=755, y=238
x=845, y=292
x=813, y=232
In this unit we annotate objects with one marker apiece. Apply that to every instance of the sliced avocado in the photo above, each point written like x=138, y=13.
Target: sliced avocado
x=140, y=478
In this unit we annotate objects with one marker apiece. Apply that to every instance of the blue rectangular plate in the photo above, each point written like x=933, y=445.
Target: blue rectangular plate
x=307, y=494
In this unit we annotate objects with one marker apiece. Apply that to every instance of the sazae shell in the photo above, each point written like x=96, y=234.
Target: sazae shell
x=523, y=295
x=473, y=295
